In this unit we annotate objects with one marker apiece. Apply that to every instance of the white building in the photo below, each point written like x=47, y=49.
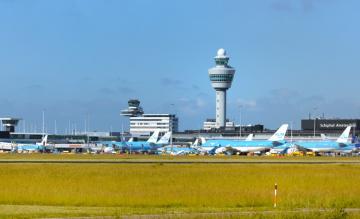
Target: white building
x=211, y=124
x=148, y=123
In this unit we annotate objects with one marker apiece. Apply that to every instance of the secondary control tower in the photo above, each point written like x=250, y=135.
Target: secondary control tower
x=221, y=77
x=9, y=123
x=134, y=109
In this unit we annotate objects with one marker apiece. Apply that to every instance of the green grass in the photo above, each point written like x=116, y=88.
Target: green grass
x=53, y=190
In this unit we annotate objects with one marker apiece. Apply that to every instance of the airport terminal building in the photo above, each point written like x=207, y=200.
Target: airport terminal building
x=148, y=123
x=330, y=125
x=144, y=124
x=210, y=124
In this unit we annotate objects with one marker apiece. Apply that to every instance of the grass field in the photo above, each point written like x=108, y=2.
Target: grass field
x=126, y=157
x=186, y=190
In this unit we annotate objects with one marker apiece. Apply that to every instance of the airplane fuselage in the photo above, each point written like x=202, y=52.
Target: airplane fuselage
x=241, y=146
x=321, y=146
x=141, y=146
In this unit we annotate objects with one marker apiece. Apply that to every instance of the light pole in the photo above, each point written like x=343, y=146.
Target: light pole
x=171, y=120
x=291, y=131
x=315, y=108
x=55, y=128
x=240, y=106
x=43, y=123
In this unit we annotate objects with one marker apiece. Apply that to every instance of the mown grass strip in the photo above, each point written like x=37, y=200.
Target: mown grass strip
x=113, y=189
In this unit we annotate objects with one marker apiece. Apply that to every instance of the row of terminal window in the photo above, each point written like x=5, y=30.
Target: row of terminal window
x=221, y=77
x=145, y=123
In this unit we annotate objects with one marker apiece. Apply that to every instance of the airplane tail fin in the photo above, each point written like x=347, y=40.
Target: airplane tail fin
x=280, y=133
x=203, y=140
x=344, y=137
x=196, y=143
x=44, y=141
x=249, y=137
x=165, y=138
x=323, y=137
x=355, y=139
x=154, y=137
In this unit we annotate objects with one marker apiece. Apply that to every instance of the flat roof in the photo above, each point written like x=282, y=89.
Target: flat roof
x=9, y=119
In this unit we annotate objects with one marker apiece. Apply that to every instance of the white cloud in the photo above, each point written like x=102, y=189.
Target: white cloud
x=246, y=103
x=191, y=106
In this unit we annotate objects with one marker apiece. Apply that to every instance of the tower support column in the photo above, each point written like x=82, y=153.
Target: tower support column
x=220, y=108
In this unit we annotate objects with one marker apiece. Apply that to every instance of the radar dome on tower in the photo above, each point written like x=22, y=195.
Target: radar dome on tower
x=221, y=52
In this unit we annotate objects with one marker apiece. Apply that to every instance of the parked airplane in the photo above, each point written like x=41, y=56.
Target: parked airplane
x=112, y=146
x=327, y=145
x=324, y=137
x=164, y=139
x=227, y=150
x=151, y=145
x=282, y=149
x=109, y=146
x=32, y=147
x=249, y=137
x=347, y=149
x=236, y=146
x=152, y=140
x=176, y=150
x=214, y=146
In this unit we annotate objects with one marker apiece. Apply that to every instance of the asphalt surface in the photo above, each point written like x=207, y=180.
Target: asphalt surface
x=215, y=214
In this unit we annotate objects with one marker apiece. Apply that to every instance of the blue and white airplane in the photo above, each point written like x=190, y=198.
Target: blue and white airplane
x=348, y=149
x=214, y=146
x=237, y=146
x=137, y=146
x=151, y=145
x=327, y=145
x=20, y=148
x=109, y=146
x=112, y=146
x=286, y=148
x=180, y=150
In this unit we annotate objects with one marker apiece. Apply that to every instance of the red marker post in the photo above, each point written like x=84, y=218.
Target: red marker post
x=275, y=195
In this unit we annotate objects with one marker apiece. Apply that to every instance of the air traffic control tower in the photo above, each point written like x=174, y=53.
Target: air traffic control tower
x=221, y=77
x=9, y=123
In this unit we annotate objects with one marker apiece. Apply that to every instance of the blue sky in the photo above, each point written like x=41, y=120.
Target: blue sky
x=79, y=58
